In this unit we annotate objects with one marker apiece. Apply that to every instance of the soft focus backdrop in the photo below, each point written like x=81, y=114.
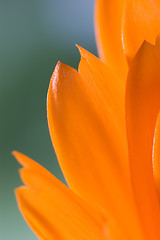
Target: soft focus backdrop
x=35, y=34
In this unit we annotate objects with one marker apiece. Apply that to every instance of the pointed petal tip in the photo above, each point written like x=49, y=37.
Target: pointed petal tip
x=14, y=153
x=60, y=68
x=18, y=156
x=61, y=73
x=17, y=191
x=55, y=72
x=22, y=159
x=20, y=193
x=79, y=48
x=84, y=53
x=54, y=81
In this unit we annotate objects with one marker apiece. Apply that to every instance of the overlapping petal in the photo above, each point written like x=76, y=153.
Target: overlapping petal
x=142, y=108
x=121, y=28
x=51, y=209
x=108, y=92
x=141, y=21
x=108, y=24
x=86, y=143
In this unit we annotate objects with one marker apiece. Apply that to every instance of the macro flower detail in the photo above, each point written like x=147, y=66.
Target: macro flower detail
x=104, y=123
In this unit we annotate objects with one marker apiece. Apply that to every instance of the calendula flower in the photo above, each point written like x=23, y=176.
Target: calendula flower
x=104, y=123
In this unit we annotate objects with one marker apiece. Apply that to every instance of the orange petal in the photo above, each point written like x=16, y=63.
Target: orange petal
x=109, y=92
x=51, y=209
x=85, y=145
x=156, y=155
x=108, y=21
x=142, y=107
x=141, y=22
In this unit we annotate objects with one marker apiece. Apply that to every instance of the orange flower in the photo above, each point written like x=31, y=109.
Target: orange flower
x=104, y=123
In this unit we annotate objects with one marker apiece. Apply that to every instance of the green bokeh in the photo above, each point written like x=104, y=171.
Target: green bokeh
x=35, y=35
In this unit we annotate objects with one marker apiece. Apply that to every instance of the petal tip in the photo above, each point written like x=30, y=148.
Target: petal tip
x=60, y=68
x=18, y=156
x=82, y=51
x=14, y=153
x=20, y=193
x=22, y=159
x=55, y=72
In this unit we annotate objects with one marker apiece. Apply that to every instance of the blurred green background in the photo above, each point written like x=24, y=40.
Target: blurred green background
x=35, y=34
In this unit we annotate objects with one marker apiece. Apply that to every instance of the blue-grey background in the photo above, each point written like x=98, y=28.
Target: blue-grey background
x=35, y=34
